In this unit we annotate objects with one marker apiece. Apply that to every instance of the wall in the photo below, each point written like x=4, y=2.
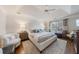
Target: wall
x=17, y=23
x=72, y=22
x=11, y=25
x=2, y=22
x=74, y=8
x=34, y=24
x=14, y=23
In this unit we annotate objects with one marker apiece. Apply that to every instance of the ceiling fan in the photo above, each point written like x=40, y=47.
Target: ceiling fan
x=48, y=10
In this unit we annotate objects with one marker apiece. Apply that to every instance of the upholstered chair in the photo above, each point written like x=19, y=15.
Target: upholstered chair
x=9, y=42
x=1, y=45
x=1, y=51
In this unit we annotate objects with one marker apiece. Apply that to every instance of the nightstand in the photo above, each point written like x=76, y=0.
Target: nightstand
x=23, y=35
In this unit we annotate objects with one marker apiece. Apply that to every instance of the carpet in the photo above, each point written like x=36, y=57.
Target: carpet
x=58, y=47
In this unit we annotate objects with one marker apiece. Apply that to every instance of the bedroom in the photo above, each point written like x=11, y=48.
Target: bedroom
x=23, y=19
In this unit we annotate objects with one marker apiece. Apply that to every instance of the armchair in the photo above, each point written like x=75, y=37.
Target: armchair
x=9, y=42
x=1, y=51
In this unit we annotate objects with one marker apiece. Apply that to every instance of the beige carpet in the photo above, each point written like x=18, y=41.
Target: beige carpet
x=58, y=47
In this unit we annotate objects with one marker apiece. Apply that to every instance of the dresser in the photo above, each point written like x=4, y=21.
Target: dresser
x=77, y=42
x=74, y=38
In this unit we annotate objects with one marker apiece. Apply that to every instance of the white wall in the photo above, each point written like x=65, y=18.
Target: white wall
x=72, y=22
x=74, y=8
x=16, y=23
x=2, y=22
x=34, y=24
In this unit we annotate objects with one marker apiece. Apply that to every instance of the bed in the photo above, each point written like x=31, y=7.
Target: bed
x=42, y=39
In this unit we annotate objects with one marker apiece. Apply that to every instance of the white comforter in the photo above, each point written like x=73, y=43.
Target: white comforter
x=42, y=36
x=34, y=37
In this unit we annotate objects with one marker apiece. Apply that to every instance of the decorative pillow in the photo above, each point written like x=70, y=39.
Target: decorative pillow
x=41, y=30
x=16, y=36
x=9, y=38
x=34, y=31
x=37, y=30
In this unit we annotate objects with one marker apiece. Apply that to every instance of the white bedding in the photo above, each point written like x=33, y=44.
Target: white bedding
x=34, y=37
x=42, y=35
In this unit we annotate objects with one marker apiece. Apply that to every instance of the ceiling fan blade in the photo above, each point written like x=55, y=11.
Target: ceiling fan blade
x=47, y=10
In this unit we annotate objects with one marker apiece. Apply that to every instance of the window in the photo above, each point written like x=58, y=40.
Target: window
x=55, y=26
x=77, y=22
